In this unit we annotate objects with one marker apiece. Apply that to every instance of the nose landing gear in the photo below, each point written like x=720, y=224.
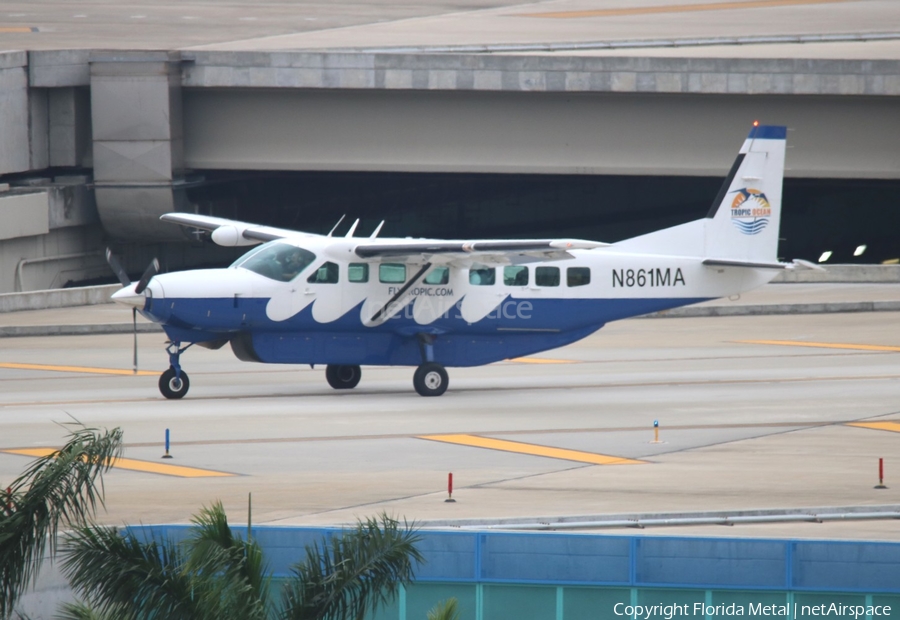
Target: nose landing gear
x=174, y=382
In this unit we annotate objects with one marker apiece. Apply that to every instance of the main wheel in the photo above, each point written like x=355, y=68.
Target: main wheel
x=342, y=377
x=170, y=387
x=430, y=379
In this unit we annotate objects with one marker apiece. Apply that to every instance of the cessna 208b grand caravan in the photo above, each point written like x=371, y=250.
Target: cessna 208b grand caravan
x=346, y=302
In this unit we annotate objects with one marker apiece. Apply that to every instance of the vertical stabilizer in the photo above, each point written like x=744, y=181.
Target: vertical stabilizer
x=744, y=220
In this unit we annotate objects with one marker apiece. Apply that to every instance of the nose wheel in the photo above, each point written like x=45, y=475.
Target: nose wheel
x=172, y=386
x=174, y=383
x=430, y=379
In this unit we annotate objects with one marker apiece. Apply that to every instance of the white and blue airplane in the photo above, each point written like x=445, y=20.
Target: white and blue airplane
x=346, y=302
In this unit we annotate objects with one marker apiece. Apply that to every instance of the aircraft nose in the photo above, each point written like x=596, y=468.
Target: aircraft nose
x=127, y=297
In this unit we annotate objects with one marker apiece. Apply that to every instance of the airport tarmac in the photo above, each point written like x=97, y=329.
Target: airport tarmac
x=755, y=412
x=341, y=24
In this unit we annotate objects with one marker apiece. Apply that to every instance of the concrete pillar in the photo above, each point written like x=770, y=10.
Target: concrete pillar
x=38, y=128
x=138, y=144
x=69, y=127
x=15, y=148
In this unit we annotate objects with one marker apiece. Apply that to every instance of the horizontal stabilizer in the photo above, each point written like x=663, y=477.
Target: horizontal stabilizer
x=724, y=262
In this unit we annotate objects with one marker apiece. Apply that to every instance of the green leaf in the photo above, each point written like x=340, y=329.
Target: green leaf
x=63, y=488
x=445, y=610
x=352, y=574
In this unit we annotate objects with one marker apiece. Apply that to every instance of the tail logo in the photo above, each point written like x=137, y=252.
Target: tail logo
x=750, y=211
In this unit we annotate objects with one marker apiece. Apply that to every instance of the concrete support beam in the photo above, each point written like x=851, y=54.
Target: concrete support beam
x=70, y=127
x=535, y=133
x=15, y=147
x=545, y=73
x=39, y=127
x=24, y=214
x=137, y=141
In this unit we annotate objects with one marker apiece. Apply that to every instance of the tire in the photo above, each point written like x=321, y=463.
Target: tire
x=343, y=377
x=173, y=388
x=430, y=379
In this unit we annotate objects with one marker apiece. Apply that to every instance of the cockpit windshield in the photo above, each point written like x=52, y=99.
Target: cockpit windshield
x=277, y=260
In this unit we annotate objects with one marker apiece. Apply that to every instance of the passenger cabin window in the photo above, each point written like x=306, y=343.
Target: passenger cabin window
x=278, y=261
x=358, y=272
x=328, y=273
x=438, y=275
x=392, y=273
x=482, y=277
x=546, y=276
x=578, y=276
x=515, y=275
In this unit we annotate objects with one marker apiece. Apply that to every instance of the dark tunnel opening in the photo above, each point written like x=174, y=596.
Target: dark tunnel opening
x=819, y=215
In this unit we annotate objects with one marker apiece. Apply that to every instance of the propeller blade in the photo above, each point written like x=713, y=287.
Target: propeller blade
x=117, y=268
x=134, y=326
x=152, y=270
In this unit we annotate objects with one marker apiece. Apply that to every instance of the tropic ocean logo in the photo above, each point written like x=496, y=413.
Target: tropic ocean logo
x=750, y=211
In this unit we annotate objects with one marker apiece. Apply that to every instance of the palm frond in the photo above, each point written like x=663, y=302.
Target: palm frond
x=64, y=487
x=445, y=610
x=82, y=611
x=235, y=568
x=354, y=573
x=111, y=571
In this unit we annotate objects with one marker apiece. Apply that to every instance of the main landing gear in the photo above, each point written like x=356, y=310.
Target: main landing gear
x=342, y=377
x=174, y=382
x=430, y=378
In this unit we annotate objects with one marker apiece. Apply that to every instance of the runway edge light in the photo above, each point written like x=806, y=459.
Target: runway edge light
x=167, y=455
x=880, y=484
x=449, y=489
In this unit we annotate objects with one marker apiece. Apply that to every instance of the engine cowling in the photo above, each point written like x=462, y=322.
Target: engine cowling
x=231, y=236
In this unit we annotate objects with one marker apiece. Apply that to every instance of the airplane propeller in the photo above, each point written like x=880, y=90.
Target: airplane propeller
x=151, y=270
x=117, y=268
x=139, y=288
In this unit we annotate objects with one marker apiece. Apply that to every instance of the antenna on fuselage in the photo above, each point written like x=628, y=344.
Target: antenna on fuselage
x=377, y=230
x=331, y=232
x=352, y=229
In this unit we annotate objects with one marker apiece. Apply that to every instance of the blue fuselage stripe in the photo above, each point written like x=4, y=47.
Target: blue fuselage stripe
x=516, y=327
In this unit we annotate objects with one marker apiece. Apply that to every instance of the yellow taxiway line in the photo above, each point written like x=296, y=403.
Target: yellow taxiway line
x=503, y=445
x=681, y=8
x=81, y=369
x=823, y=345
x=135, y=465
x=878, y=426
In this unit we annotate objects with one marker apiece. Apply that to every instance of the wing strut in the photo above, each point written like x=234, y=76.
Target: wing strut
x=400, y=293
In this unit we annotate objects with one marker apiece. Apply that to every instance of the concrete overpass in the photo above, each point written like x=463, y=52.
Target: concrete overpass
x=143, y=128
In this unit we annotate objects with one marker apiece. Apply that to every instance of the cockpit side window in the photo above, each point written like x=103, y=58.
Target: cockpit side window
x=279, y=261
x=326, y=274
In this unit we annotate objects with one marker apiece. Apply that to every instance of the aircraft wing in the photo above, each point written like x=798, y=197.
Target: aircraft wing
x=487, y=251
x=231, y=233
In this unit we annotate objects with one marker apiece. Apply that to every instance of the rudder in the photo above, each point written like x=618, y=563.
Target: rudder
x=745, y=217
